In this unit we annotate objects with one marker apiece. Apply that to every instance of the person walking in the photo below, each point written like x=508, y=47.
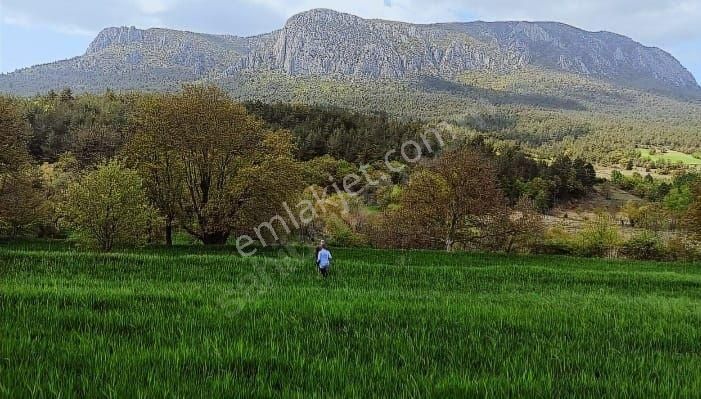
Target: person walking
x=323, y=260
x=317, y=250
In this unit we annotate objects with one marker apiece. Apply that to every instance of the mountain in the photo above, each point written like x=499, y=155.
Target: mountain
x=328, y=44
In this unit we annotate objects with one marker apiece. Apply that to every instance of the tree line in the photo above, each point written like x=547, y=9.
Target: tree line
x=123, y=169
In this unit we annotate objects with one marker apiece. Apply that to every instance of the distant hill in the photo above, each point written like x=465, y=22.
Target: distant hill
x=335, y=46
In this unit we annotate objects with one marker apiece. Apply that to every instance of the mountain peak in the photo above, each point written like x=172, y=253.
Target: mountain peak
x=320, y=17
x=115, y=36
x=321, y=13
x=324, y=42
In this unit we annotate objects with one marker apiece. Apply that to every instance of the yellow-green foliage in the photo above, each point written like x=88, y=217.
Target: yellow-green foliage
x=108, y=207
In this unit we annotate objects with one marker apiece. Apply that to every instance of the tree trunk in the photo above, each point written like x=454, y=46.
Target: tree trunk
x=218, y=238
x=169, y=233
x=510, y=245
x=448, y=245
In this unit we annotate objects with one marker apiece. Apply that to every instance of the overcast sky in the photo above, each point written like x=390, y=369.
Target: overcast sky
x=36, y=31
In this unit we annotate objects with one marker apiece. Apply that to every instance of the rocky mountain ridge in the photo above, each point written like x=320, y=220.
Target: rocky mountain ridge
x=323, y=42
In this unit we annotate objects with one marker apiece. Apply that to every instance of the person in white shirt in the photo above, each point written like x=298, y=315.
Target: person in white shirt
x=323, y=260
x=316, y=252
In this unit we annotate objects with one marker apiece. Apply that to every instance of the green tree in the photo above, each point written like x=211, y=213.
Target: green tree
x=153, y=152
x=540, y=191
x=678, y=201
x=108, y=207
x=23, y=208
x=226, y=172
x=692, y=220
x=454, y=201
x=599, y=237
x=13, y=139
x=21, y=203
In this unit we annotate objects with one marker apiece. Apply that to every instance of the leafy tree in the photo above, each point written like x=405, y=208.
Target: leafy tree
x=225, y=170
x=453, y=201
x=540, y=191
x=693, y=216
x=13, y=139
x=108, y=207
x=632, y=211
x=154, y=153
x=420, y=219
x=325, y=170
x=21, y=204
x=523, y=228
x=56, y=177
x=677, y=202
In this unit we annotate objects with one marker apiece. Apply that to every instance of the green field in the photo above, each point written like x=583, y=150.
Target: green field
x=196, y=322
x=670, y=156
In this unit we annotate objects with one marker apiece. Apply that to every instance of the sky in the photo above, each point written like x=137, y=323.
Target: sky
x=36, y=31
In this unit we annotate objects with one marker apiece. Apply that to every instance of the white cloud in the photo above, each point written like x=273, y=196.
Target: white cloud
x=152, y=6
x=653, y=21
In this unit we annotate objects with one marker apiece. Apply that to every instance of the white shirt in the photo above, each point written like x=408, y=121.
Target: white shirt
x=324, y=258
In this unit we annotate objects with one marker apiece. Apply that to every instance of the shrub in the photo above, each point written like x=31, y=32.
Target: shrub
x=108, y=207
x=557, y=241
x=643, y=246
x=599, y=237
x=339, y=233
x=679, y=247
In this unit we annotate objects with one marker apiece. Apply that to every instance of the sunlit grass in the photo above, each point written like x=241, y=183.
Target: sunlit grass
x=670, y=156
x=194, y=321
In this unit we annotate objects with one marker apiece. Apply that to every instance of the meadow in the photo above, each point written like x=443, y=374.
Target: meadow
x=192, y=321
x=674, y=157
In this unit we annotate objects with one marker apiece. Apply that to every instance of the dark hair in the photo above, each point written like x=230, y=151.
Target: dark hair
x=323, y=246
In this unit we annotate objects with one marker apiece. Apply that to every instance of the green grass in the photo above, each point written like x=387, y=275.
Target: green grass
x=670, y=156
x=201, y=322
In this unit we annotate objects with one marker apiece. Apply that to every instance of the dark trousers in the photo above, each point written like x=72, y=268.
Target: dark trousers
x=324, y=271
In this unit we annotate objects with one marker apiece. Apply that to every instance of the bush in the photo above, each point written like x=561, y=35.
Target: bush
x=679, y=247
x=339, y=233
x=643, y=246
x=557, y=242
x=108, y=208
x=599, y=238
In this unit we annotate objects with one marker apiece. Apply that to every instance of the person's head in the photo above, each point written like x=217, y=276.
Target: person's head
x=322, y=243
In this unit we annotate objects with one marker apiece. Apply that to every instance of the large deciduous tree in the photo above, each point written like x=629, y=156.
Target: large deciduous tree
x=454, y=200
x=211, y=164
x=153, y=151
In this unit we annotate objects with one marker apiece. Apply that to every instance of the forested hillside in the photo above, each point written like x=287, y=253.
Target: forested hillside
x=549, y=113
x=552, y=88
x=199, y=162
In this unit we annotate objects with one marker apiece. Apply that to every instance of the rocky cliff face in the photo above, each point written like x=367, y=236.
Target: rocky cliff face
x=599, y=54
x=115, y=37
x=325, y=42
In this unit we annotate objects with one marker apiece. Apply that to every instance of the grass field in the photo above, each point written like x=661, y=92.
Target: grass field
x=204, y=323
x=671, y=156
